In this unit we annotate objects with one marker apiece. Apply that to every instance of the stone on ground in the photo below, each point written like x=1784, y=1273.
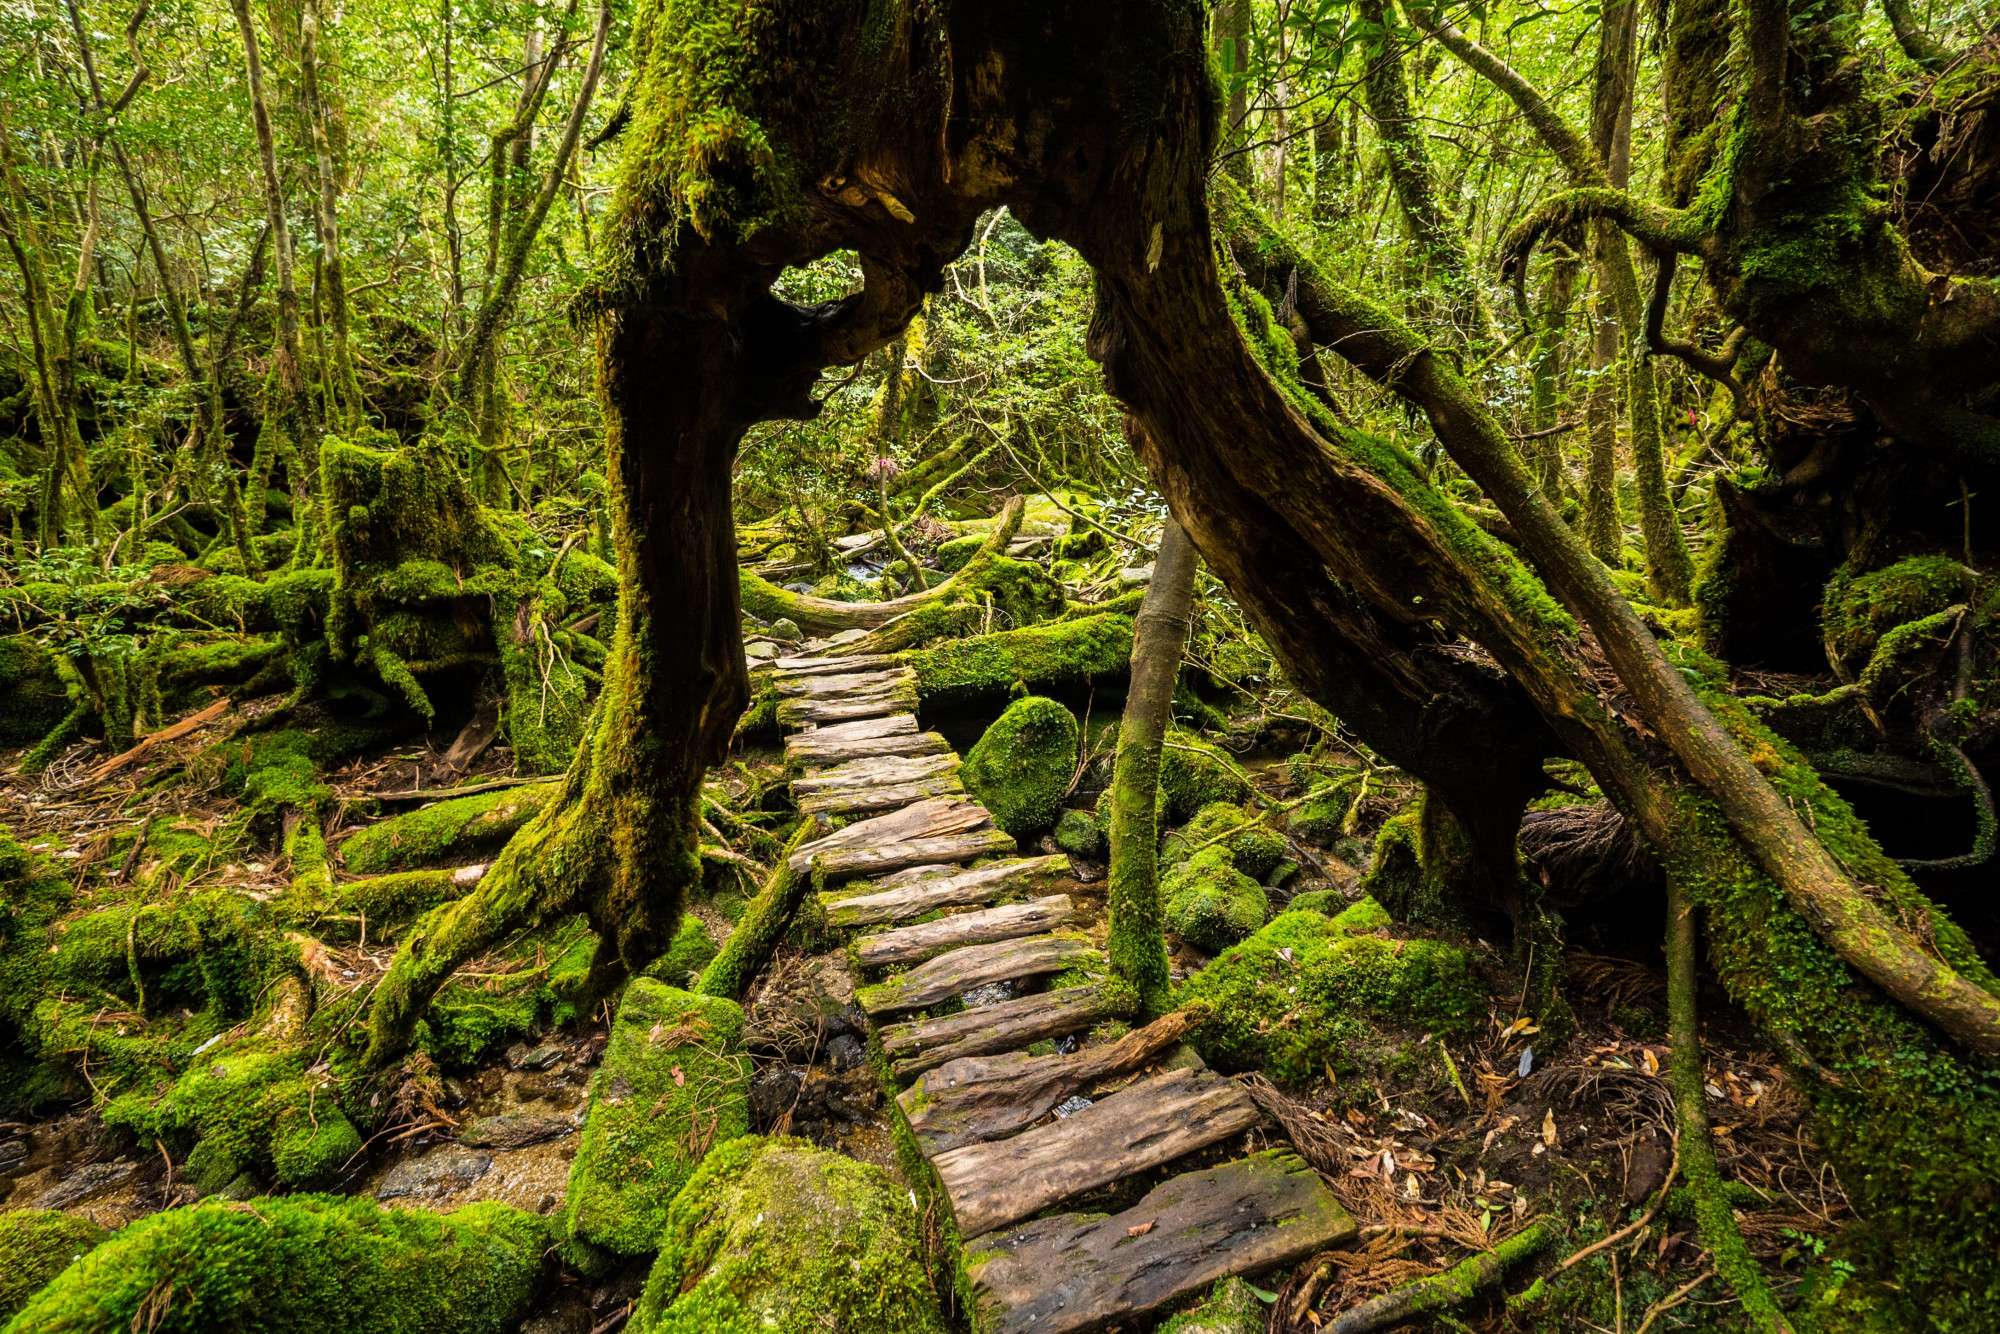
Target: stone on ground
x=1022, y=768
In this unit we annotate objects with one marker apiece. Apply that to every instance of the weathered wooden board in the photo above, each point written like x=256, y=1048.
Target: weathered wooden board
x=879, y=771
x=865, y=728
x=923, y=820
x=961, y=970
x=1154, y=1121
x=913, y=944
x=925, y=1044
x=854, y=662
x=844, y=864
x=842, y=708
x=976, y=1098
x=863, y=800
x=1076, y=1272
x=804, y=750
x=844, y=683
x=910, y=894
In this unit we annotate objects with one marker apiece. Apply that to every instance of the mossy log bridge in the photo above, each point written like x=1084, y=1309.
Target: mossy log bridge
x=979, y=1105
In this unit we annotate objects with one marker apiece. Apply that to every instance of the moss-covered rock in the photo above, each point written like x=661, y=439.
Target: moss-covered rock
x=35, y=1246
x=774, y=1236
x=1325, y=902
x=1335, y=991
x=693, y=949
x=1231, y=1308
x=1080, y=834
x=1209, y=903
x=1253, y=846
x=1022, y=768
x=673, y=1085
x=1319, y=818
x=456, y=827
x=302, y=1265
x=1194, y=774
x=1859, y=610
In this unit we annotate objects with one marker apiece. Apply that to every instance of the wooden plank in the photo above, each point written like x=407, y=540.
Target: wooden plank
x=876, y=772
x=904, y=895
x=928, y=1043
x=1154, y=1121
x=1076, y=1272
x=866, y=728
x=845, y=683
x=925, y=819
x=797, y=712
x=853, y=662
x=913, y=944
x=842, y=864
x=977, y=1098
x=861, y=801
x=803, y=751
x=960, y=971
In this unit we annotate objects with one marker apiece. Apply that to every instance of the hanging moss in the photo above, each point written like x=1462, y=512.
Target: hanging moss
x=774, y=1236
x=1339, y=995
x=35, y=1246
x=1209, y=903
x=1021, y=769
x=674, y=1084
x=296, y=1265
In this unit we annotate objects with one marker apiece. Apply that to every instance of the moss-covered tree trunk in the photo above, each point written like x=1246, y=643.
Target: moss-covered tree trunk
x=1137, y=949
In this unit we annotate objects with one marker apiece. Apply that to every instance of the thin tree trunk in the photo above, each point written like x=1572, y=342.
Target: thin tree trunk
x=1602, y=528
x=1232, y=41
x=1137, y=948
x=346, y=402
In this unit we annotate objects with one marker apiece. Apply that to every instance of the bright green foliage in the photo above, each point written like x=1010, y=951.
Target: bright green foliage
x=1058, y=655
x=1231, y=1308
x=35, y=1246
x=453, y=828
x=1252, y=845
x=1209, y=903
x=1022, y=768
x=674, y=1084
x=1343, y=993
x=302, y=1265
x=774, y=1236
x=1194, y=774
x=1080, y=834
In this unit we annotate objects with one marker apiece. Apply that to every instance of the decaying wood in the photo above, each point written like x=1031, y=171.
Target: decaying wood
x=897, y=698
x=471, y=742
x=923, y=820
x=877, y=772
x=804, y=749
x=928, y=1043
x=977, y=1098
x=860, y=801
x=1151, y=1122
x=159, y=738
x=859, y=662
x=961, y=970
x=1077, y=1272
x=866, y=727
x=911, y=944
x=912, y=894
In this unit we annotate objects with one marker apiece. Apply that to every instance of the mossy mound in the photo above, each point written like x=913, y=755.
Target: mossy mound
x=1335, y=991
x=1325, y=902
x=1194, y=774
x=1040, y=657
x=1254, y=846
x=1209, y=903
x=456, y=827
x=1231, y=1308
x=33, y=698
x=35, y=1246
x=1022, y=768
x=692, y=950
x=305, y=1264
x=674, y=1084
x=1080, y=834
x=1318, y=819
x=1859, y=610
x=774, y=1236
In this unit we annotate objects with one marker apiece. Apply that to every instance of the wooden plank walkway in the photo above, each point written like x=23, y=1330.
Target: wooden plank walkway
x=981, y=1105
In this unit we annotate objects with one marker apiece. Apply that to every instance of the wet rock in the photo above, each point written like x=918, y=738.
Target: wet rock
x=845, y=1053
x=520, y=1057
x=246, y=1186
x=13, y=1153
x=516, y=1130
x=439, y=1172
x=90, y=1180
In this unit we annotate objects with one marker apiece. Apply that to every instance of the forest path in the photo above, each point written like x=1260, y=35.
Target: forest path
x=1011, y=1134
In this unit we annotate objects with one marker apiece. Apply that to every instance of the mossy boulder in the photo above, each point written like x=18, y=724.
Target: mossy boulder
x=456, y=827
x=1231, y=1308
x=1209, y=903
x=1080, y=834
x=1253, y=846
x=302, y=1265
x=953, y=553
x=775, y=1236
x=1022, y=768
x=692, y=950
x=1194, y=774
x=1859, y=610
x=1325, y=902
x=1319, y=817
x=1341, y=997
x=674, y=1084
x=35, y=1246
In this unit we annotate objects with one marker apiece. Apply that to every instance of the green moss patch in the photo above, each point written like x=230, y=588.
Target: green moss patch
x=35, y=1246
x=674, y=1084
x=1209, y=903
x=1022, y=768
x=774, y=1236
x=1253, y=846
x=1040, y=657
x=455, y=827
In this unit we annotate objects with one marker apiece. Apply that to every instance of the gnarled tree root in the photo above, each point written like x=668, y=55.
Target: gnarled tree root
x=1453, y=1286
